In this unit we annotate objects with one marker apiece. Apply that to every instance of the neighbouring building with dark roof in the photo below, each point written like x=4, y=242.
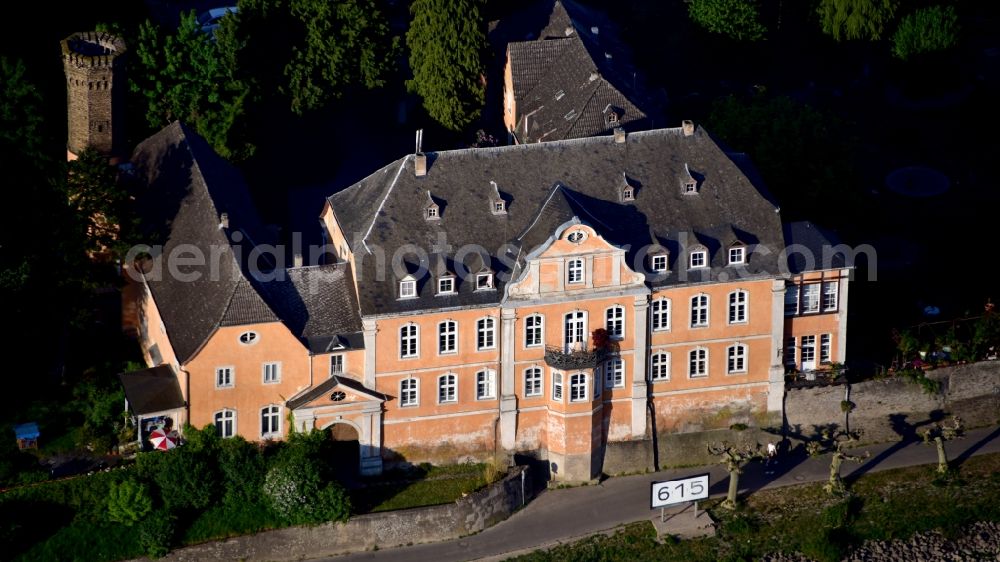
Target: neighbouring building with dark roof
x=566, y=76
x=541, y=299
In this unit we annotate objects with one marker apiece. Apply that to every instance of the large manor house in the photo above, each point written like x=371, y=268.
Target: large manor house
x=597, y=280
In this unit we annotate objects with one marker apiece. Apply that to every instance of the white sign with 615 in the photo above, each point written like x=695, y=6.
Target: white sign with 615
x=679, y=491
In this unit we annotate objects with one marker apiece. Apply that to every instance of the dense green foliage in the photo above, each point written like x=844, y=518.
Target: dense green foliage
x=191, y=76
x=805, y=156
x=856, y=19
x=926, y=30
x=129, y=502
x=446, y=42
x=101, y=203
x=736, y=19
x=312, y=51
x=805, y=519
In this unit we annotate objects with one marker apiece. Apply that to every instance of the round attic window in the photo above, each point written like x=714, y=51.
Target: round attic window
x=337, y=396
x=249, y=338
x=577, y=236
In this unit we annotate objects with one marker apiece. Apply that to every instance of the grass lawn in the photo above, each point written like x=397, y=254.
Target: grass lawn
x=884, y=505
x=420, y=486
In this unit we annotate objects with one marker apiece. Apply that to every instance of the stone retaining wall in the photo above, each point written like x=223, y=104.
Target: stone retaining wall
x=466, y=516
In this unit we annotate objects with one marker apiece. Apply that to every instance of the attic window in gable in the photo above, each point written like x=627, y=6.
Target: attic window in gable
x=497, y=204
x=484, y=281
x=659, y=262
x=408, y=287
x=689, y=184
x=699, y=258
x=338, y=396
x=627, y=192
x=560, y=94
x=431, y=210
x=737, y=254
x=249, y=338
x=446, y=285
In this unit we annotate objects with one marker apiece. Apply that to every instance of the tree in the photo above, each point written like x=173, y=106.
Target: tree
x=129, y=502
x=734, y=458
x=736, y=19
x=189, y=76
x=856, y=19
x=313, y=50
x=926, y=30
x=837, y=444
x=100, y=203
x=298, y=485
x=805, y=156
x=446, y=41
x=938, y=433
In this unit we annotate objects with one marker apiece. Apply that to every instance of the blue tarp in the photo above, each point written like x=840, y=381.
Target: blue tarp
x=27, y=431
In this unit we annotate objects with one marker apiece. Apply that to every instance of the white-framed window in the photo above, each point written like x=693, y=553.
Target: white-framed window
x=615, y=321
x=614, y=373
x=575, y=329
x=271, y=372
x=825, y=347
x=578, y=387
x=790, y=352
x=660, y=314
x=737, y=255
x=699, y=311
x=830, y=289
x=791, y=300
x=699, y=258
x=738, y=307
x=659, y=366
x=409, y=392
x=574, y=271
x=446, y=285
x=499, y=207
x=659, y=263
x=270, y=421
x=808, y=349
x=698, y=363
x=447, y=337
x=225, y=423
x=533, y=330
x=409, y=340
x=225, y=377
x=432, y=212
x=557, y=386
x=336, y=364
x=407, y=289
x=690, y=186
x=533, y=381
x=737, y=358
x=486, y=385
x=485, y=333
x=628, y=194
x=447, y=388
x=484, y=281
x=810, y=298
x=246, y=338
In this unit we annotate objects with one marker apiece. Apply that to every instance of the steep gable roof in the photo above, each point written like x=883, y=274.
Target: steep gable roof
x=318, y=304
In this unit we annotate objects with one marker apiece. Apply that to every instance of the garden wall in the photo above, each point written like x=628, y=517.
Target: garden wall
x=890, y=409
x=466, y=516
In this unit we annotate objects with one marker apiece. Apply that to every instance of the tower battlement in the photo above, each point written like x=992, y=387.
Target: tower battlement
x=94, y=63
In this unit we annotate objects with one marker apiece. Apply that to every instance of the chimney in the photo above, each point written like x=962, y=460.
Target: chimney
x=297, y=259
x=688, y=126
x=619, y=135
x=419, y=158
x=223, y=220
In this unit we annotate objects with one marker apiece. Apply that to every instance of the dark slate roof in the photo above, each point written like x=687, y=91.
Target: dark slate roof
x=152, y=390
x=562, y=94
x=383, y=213
x=328, y=385
x=803, y=239
x=318, y=304
x=183, y=188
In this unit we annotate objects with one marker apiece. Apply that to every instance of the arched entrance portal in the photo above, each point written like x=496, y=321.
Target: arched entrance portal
x=346, y=451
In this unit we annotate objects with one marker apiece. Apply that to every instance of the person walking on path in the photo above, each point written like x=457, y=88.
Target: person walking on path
x=772, y=458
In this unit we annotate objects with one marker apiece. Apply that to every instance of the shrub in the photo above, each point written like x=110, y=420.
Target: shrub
x=926, y=30
x=846, y=406
x=736, y=19
x=288, y=489
x=332, y=504
x=185, y=478
x=128, y=502
x=242, y=468
x=156, y=534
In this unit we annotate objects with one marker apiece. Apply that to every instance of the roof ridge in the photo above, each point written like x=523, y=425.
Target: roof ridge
x=364, y=239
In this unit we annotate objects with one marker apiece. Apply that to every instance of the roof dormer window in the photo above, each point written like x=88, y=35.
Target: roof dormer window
x=626, y=191
x=446, y=285
x=689, y=185
x=497, y=204
x=559, y=95
x=737, y=254
x=432, y=211
x=699, y=258
x=408, y=288
x=659, y=262
x=484, y=281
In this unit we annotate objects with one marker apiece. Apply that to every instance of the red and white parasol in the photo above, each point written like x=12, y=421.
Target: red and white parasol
x=162, y=440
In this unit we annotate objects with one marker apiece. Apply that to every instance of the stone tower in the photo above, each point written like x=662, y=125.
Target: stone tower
x=95, y=89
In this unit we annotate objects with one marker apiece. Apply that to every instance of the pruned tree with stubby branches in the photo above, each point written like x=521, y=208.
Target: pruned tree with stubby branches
x=734, y=457
x=837, y=444
x=938, y=433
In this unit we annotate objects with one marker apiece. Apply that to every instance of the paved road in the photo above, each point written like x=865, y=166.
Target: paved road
x=558, y=515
